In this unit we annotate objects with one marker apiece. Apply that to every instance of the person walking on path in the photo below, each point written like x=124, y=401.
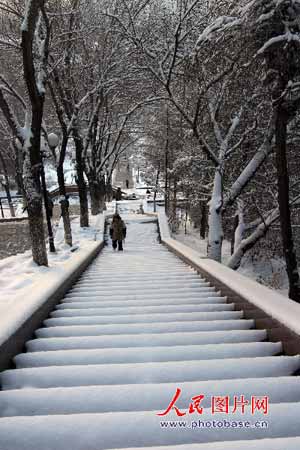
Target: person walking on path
x=119, y=194
x=117, y=232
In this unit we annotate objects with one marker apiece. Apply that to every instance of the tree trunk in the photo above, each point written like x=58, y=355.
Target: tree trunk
x=154, y=201
x=283, y=201
x=9, y=200
x=203, y=220
x=195, y=214
x=249, y=242
x=173, y=208
x=19, y=171
x=215, y=229
x=7, y=187
x=34, y=205
x=108, y=192
x=80, y=181
x=32, y=184
x=155, y=189
x=167, y=165
x=186, y=219
x=37, y=236
x=18, y=183
x=235, y=225
x=97, y=192
x=64, y=204
x=102, y=189
x=47, y=209
x=33, y=160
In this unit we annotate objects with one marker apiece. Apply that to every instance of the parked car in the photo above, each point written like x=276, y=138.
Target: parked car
x=132, y=196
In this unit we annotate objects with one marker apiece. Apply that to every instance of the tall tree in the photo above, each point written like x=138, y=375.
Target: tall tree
x=276, y=31
x=34, y=48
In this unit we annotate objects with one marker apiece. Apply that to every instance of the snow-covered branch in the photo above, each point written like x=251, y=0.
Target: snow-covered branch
x=10, y=116
x=249, y=242
x=254, y=164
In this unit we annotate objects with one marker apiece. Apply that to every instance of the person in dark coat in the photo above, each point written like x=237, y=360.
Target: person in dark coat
x=117, y=232
x=119, y=194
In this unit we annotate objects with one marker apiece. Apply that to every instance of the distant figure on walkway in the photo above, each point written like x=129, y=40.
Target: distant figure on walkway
x=119, y=194
x=117, y=232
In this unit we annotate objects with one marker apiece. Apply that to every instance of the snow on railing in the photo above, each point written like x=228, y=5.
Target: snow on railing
x=163, y=226
x=277, y=306
x=100, y=226
x=49, y=286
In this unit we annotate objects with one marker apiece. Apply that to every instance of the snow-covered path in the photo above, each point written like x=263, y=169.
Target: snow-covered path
x=137, y=326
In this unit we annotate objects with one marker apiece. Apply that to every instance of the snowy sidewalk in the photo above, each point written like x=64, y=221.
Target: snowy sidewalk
x=137, y=326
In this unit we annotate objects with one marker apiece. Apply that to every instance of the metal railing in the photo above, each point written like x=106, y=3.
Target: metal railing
x=4, y=201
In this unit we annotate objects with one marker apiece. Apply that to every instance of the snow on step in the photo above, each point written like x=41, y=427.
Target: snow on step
x=143, y=286
x=188, y=280
x=142, y=328
x=107, y=279
x=136, y=276
x=144, y=318
x=138, y=283
x=134, y=328
x=77, y=304
x=154, y=293
x=87, y=291
x=146, y=340
x=159, y=372
x=149, y=354
x=102, y=274
x=136, y=429
x=81, y=312
x=142, y=266
x=133, y=301
x=150, y=299
x=137, y=397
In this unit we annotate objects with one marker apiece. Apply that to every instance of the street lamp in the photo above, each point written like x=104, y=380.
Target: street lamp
x=52, y=142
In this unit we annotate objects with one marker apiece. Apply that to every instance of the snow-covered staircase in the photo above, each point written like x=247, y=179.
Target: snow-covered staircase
x=134, y=328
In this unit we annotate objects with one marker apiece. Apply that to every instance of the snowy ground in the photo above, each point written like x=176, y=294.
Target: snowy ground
x=267, y=271
x=19, y=275
x=18, y=272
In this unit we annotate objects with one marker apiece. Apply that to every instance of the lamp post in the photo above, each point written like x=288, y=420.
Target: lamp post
x=51, y=141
